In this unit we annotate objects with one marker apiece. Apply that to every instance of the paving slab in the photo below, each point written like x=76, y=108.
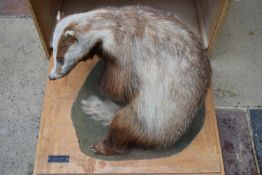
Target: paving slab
x=14, y=8
x=235, y=140
x=256, y=122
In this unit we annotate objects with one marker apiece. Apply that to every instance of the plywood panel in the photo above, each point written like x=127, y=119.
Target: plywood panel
x=44, y=16
x=218, y=24
x=204, y=17
x=57, y=137
x=44, y=12
x=184, y=9
x=211, y=15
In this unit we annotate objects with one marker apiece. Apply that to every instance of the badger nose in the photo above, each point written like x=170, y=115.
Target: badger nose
x=51, y=78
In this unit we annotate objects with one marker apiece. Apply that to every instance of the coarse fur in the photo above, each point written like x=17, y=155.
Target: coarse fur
x=155, y=66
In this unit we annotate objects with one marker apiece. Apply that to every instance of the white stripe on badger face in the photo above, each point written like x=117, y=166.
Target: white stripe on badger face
x=53, y=74
x=58, y=32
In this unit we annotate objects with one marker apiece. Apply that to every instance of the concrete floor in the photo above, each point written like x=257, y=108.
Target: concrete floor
x=23, y=74
x=237, y=58
x=237, y=78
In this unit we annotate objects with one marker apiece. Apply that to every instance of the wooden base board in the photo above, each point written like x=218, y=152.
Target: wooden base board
x=57, y=136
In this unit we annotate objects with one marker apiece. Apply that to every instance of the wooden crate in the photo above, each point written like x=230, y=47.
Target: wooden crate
x=57, y=135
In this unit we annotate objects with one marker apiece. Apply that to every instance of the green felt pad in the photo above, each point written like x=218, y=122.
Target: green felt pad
x=90, y=132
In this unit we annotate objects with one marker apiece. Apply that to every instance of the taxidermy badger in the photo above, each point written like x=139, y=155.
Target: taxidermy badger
x=155, y=65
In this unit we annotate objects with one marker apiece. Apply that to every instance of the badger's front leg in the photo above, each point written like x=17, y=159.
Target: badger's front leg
x=124, y=131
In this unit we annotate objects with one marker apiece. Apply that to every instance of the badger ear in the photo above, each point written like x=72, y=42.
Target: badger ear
x=59, y=16
x=71, y=34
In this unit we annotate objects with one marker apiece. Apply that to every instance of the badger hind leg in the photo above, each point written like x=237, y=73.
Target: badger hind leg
x=99, y=109
x=125, y=131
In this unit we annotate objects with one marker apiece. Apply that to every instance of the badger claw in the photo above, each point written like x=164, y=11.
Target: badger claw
x=92, y=148
x=98, y=148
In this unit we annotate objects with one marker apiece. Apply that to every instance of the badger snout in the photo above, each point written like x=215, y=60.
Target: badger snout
x=53, y=74
x=58, y=73
x=51, y=78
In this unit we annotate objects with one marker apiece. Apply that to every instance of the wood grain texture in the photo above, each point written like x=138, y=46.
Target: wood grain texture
x=58, y=137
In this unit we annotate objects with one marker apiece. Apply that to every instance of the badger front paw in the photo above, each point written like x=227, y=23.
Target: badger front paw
x=99, y=110
x=103, y=149
x=98, y=148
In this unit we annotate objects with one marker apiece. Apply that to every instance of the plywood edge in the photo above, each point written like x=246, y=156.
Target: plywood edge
x=39, y=28
x=211, y=100
x=218, y=25
x=202, y=32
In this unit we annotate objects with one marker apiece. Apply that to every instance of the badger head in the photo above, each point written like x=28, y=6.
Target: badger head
x=66, y=51
x=74, y=39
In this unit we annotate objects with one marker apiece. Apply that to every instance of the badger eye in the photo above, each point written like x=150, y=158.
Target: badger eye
x=60, y=61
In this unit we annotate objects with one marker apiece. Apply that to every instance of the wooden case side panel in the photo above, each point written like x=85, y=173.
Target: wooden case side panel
x=218, y=26
x=206, y=20
x=44, y=16
x=39, y=28
x=211, y=14
x=184, y=9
